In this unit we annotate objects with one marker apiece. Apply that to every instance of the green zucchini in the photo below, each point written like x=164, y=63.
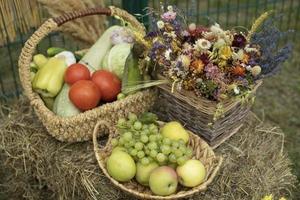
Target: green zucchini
x=93, y=58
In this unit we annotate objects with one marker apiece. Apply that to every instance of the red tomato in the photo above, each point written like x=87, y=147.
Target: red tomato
x=108, y=83
x=85, y=94
x=77, y=72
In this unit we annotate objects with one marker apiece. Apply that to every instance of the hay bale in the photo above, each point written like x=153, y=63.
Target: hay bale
x=36, y=166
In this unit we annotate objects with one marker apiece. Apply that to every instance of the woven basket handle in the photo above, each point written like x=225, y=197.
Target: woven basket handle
x=51, y=25
x=110, y=11
x=111, y=133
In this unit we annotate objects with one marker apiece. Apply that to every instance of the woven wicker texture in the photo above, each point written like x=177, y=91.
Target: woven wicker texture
x=201, y=151
x=79, y=127
x=196, y=113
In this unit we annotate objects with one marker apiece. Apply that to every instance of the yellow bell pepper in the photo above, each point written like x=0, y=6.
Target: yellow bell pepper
x=49, y=80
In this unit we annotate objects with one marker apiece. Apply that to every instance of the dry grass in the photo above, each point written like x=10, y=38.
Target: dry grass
x=39, y=167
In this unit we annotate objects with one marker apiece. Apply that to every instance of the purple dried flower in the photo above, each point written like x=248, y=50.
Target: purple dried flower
x=155, y=50
x=239, y=41
x=204, y=58
x=176, y=26
x=152, y=34
x=252, y=62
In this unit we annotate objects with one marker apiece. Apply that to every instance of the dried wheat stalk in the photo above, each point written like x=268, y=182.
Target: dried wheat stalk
x=86, y=29
x=17, y=14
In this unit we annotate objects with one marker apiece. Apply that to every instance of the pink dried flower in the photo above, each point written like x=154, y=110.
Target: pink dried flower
x=185, y=33
x=169, y=16
x=212, y=72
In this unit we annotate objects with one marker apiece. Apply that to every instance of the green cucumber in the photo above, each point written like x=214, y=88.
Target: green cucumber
x=52, y=51
x=78, y=57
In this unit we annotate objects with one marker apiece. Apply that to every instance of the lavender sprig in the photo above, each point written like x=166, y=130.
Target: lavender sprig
x=268, y=39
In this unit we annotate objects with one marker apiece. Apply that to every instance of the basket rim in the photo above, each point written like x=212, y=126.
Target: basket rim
x=38, y=103
x=190, y=94
x=203, y=104
x=217, y=162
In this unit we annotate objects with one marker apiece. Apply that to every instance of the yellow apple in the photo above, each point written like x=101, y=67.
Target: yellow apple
x=192, y=173
x=143, y=172
x=121, y=166
x=175, y=131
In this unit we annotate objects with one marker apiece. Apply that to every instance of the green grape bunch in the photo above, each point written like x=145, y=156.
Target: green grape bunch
x=140, y=137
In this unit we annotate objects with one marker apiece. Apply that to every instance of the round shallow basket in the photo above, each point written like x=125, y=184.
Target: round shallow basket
x=197, y=113
x=201, y=151
x=79, y=127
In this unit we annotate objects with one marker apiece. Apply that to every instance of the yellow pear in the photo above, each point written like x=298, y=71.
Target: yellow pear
x=175, y=131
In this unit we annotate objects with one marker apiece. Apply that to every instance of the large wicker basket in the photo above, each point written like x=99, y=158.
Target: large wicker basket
x=197, y=113
x=201, y=151
x=79, y=127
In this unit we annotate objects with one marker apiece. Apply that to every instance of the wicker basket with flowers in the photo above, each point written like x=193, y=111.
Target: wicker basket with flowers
x=213, y=73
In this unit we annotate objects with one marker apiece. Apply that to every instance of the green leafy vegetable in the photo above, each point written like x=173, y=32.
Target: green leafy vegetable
x=114, y=61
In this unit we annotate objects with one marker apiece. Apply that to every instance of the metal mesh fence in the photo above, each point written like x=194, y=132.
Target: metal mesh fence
x=228, y=13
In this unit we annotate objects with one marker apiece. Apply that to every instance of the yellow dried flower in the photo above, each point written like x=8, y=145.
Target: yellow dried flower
x=282, y=198
x=168, y=27
x=225, y=52
x=186, y=61
x=175, y=46
x=268, y=197
x=245, y=58
x=222, y=63
x=197, y=66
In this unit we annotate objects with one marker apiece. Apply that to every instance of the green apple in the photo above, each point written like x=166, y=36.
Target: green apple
x=143, y=172
x=175, y=131
x=192, y=173
x=163, y=181
x=120, y=165
x=118, y=149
